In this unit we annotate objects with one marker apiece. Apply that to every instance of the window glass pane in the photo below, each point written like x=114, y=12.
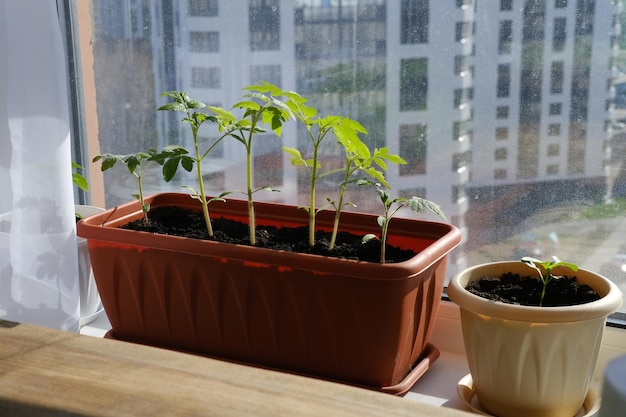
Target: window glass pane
x=413, y=148
x=200, y=8
x=414, y=21
x=263, y=21
x=494, y=105
x=558, y=38
x=413, y=84
x=504, y=80
x=505, y=36
x=204, y=41
x=556, y=78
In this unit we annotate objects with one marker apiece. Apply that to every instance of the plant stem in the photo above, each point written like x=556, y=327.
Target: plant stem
x=383, y=240
x=339, y=206
x=545, y=281
x=251, y=222
x=143, y=209
x=205, y=204
x=248, y=145
x=312, y=210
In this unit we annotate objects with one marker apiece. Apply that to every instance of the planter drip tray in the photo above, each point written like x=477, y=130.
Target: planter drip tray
x=467, y=393
x=423, y=364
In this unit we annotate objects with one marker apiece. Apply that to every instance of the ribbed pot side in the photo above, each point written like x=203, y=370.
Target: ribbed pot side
x=531, y=361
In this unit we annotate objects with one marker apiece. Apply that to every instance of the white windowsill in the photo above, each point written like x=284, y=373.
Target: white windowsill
x=438, y=385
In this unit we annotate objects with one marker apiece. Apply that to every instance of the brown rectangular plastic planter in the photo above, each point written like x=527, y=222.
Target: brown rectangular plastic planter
x=358, y=322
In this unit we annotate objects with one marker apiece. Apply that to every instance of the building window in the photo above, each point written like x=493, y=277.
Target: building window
x=461, y=131
x=505, y=37
x=459, y=193
x=412, y=192
x=555, y=109
x=460, y=161
x=552, y=169
x=554, y=129
x=504, y=80
x=264, y=22
x=499, y=174
x=206, y=77
x=461, y=3
x=413, y=146
x=553, y=149
x=462, y=96
x=463, y=31
x=559, y=34
x=500, y=154
x=205, y=42
x=413, y=84
x=560, y=4
x=202, y=8
x=502, y=133
x=461, y=64
x=506, y=5
x=556, y=78
x=414, y=21
x=502, y=112
x=269, y=73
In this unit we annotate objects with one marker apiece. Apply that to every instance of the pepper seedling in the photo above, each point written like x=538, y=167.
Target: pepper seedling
x=547, y=266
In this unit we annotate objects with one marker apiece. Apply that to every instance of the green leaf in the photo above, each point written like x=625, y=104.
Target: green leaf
x=417, y=204
x=296, y=157
x=368, y=237
x=80, y=181
x=107, y=162
x=169, y=168
x=172, y=107
x=223, y=115
x=187, y=163
x=268, y=188
x=249, y=105
x=193, y=192
x=381, y=220
x=383, y=195
x=393, y=158
x=132, y=162
x=195, y=104
x=377, y=175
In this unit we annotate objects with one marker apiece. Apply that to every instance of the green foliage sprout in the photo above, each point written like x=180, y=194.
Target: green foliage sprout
x=261, y=106
x=357, y=158
x=415, y=204
x=547, y=267
x=79, y=180
x=345, y=130
x=138, y=165
x=183, y=103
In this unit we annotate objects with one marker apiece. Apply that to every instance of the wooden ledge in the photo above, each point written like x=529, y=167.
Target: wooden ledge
x=46, y=372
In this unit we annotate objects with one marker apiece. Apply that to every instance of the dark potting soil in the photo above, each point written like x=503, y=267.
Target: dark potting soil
x=176, y=221
x=526, y=290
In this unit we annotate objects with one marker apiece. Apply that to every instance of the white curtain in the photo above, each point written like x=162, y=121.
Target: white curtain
x=38, y=266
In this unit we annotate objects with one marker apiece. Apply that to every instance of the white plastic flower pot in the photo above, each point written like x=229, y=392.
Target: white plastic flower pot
x=90, y=305
x=531, y=361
